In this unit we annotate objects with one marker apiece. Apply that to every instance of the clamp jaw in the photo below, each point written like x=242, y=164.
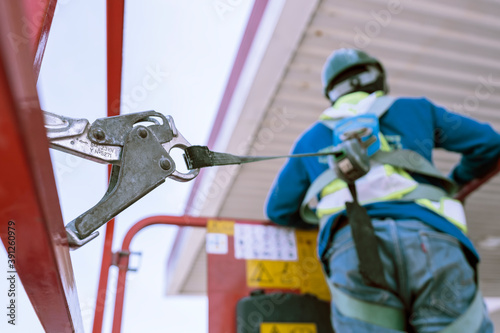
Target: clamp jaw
x=140, y=156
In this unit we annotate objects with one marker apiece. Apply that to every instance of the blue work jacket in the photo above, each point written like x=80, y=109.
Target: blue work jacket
x=410, y=123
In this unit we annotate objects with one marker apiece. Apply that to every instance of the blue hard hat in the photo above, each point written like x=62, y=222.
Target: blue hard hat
x=342, y=60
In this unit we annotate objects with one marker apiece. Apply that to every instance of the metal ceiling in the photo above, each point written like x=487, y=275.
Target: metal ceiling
x=447, y=51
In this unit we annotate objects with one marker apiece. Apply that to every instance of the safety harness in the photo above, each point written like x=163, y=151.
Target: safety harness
x=370, y=265
x=401, y=158
x=349, y=167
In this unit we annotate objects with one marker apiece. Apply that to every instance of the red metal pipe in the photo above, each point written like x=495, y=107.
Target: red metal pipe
x=476, y=183
x=103, y=277
x=115, y=10
x=184, y=221
x=36, y=238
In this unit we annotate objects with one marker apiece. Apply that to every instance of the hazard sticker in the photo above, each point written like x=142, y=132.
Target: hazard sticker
x=273, y=274
x=304, y=274
x=288, y=328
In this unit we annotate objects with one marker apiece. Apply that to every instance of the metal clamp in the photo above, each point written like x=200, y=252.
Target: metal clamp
x=178, y=141
x=144, y=166
x=140, y=156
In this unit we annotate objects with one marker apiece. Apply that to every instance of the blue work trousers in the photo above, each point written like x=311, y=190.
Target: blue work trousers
x=428, y=274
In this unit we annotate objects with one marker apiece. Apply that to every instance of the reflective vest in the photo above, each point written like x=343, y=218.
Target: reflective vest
x=387, y=179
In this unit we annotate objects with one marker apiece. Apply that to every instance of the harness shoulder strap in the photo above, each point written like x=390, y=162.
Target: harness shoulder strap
x=414, y=162
x=378, y=108
x=381, y=105
x=310, y=200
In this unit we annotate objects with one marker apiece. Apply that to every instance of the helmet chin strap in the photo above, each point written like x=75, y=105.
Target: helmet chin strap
x=354, y=83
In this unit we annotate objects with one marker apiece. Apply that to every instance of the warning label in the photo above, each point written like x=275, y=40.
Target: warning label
x=288, y=328
x=264, y=242
x=220, y=227
x=305, y=275
x=261, y=274
x=273, y=274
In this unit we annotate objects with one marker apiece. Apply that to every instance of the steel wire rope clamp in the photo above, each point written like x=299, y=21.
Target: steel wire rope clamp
x=140, y=156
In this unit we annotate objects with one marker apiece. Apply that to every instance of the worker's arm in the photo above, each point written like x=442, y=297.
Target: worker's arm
x=478, y=143
x=292, y=182
x=287, y=193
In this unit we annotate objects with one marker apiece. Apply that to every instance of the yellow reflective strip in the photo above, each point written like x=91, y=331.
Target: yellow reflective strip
x=461, y=225
x=428, y=204
x=384, y=145
x=320, y=212
x=334, y=186
x=389, y=169
x=457, y=224
x=352, y=98
x=403, y=173
x=328, y=211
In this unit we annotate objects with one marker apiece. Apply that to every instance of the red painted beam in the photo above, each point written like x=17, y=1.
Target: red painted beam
x=28, y=193
x=35, y=28
x=115, y=10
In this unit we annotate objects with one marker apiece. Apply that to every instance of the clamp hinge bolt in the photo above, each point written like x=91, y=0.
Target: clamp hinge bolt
x=98, y=134
x=165, y=163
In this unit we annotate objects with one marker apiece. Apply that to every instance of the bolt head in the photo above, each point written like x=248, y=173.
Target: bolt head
x=142, y=132
x=99, y=134
x=165, y=163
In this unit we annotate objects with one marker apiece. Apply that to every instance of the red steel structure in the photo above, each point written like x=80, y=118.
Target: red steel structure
x=122, y=257
x=115, y=10
x=28, y=193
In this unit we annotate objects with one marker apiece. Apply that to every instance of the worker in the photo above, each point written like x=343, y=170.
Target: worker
x=418, y=271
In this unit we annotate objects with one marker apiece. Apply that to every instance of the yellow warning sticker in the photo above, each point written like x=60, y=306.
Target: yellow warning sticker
x=314, y=280
x=220, y=227
x=305, y=275
x=273, y=274
x=288, y=328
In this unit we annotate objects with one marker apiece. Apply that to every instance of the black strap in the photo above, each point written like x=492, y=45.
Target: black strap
x=365, y=242
x=200, y=157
